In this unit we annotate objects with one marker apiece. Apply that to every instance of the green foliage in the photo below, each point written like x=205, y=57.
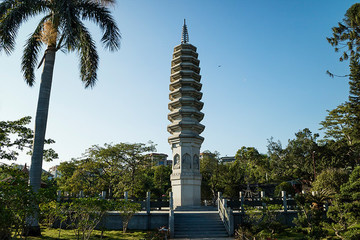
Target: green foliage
x=256, y=164
x=263, y=224
x=56, y=30
x=312, y=213
x=330, y=180
x=127, y=209
x=67, y=170
x=114, y=168
x=339, y=123
x=296, y=160
x=161, y=180
x=86, y=214
x=343, y=123
x=233, y=179
x=345, y=209
x=284, y=186
x=344, y=218
x=213, y=174
x=16, y=202
x=351, y=189
x=51, y=234
x=48, y=213
x=345, y=35
x=15, y=137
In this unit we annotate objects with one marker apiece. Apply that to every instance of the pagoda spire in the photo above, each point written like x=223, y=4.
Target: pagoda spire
x=185, y=34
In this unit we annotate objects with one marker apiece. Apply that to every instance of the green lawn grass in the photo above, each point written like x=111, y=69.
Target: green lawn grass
x=52, y=234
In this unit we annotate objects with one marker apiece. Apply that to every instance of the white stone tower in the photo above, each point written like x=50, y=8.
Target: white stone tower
x=185, y=127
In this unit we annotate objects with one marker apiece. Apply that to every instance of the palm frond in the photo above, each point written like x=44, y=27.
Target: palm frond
x=12, y=14
x=99, y=14
x=88, y=57
x=68, y=18
x=31, y=52
x=105, y=2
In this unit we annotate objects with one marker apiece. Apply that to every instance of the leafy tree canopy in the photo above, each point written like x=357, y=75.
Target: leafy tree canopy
x=346, y=34
x=15, y=136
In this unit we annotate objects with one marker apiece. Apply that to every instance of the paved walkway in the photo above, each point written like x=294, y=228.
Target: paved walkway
x=204, y=238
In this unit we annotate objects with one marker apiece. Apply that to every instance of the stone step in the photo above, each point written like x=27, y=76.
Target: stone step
x=197, y=208
x=201, y=236
x=199, y=230
x=215, y=220
x=199, y=225
x=186, y=223
x=200, y=216
x=197, y=217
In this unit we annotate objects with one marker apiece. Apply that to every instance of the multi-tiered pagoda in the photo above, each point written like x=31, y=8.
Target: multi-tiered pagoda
x=185, y=127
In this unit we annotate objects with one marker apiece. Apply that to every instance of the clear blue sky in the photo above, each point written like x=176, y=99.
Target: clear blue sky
x=272, y=81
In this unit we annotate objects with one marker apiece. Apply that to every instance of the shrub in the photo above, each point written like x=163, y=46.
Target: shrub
x=85, y=215
x=127, y=209
x=17, y=201
x=284, y=186
x=330, y=179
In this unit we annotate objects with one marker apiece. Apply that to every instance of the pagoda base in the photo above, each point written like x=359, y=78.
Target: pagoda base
x=186, y=188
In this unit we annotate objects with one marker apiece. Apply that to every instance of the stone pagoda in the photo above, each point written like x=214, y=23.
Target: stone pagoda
x=185, y=127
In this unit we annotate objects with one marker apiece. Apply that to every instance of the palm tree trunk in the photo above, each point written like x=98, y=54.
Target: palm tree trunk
x=40, y=129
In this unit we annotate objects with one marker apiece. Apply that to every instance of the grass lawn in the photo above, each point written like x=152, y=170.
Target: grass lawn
x=52, y=234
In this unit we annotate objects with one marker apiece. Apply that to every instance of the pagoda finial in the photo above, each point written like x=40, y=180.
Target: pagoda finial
x=185, y=34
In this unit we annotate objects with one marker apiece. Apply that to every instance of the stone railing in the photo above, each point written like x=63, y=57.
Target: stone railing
x=226, y=214
x=147, y=204
x=287, y=202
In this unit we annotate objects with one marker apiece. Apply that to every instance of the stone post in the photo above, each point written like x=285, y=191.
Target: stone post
x=148, y=202
x=171, y=223
x=171, y=202
x=326, y=206
x=262, y=195
x=242, y=200
x=171, y=215
x=231, y=222
x=59, y=195
x=103, y=195
x=219, y=199
x=147, y=206
x=283, y=195
x=126, y=196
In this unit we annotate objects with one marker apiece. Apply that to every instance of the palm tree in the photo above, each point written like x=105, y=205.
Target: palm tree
x=61, y=27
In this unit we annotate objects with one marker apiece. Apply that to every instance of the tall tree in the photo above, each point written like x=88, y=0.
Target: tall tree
x=61, y=27
x=354, y=93
x=256, y=164
x=161, y=179
x=339, y=124
x=346, y=36
x=299, y=160
x=212, y=171
x=114, y=168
